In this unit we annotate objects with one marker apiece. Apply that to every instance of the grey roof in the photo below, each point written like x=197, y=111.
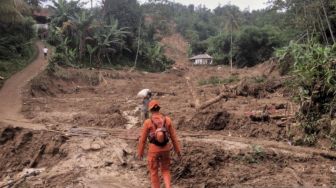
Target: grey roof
x=201, y=56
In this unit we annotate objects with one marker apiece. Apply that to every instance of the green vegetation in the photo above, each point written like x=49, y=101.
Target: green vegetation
x=16, y=37
x=246, y=38
x=256, y=155
x=104, y=36
x=314, y=86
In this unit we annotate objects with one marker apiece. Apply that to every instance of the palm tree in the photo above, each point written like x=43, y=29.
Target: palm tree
x=63, y=11
x=81, y=23
x=109, y=39
x=232, y=16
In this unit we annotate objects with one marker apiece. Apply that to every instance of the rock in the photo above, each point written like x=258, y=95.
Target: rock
x=86, y=145
x=95, y=146
x=31, y=172
x=333, y=169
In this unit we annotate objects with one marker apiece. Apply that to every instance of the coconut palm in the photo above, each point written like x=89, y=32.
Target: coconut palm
x=232, y=16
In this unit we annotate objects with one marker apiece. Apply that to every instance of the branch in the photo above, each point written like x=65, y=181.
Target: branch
x=215, y=100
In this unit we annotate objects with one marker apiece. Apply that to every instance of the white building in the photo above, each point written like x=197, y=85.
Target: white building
x=202, y=59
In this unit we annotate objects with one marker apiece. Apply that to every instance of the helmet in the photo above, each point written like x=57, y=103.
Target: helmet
x=152, y=104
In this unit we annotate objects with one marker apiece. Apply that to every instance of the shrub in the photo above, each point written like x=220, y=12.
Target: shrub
x=314, y=83
x=255, y=45
x=250, y=46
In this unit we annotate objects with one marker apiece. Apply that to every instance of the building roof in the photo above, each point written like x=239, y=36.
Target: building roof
x=201, y=56
x=44, y=12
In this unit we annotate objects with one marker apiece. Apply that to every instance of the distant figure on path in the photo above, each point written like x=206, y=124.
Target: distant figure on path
x=45, y=51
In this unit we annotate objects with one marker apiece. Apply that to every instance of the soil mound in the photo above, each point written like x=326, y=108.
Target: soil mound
x=112, y=118
x=64, y=81
x=209, y=165
x=207, y=120
x=21, y=148
x=258, y=87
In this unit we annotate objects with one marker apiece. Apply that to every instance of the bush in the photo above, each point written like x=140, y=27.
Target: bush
x=255, y=45
x=251, y=46
x=15, y=39
x=313, y=82
x=220, y=46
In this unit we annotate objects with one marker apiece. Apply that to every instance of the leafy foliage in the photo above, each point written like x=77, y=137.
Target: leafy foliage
x=314, y=83
x=250, y=46
x=104, y=36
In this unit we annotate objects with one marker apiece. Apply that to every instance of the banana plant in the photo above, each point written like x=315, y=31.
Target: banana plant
x=91, y=51
x=81, y=23
x=109, y=40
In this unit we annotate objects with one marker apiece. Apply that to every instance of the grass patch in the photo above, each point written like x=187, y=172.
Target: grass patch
x=91, y=77
x=260, y=79
x=215, y=80
x=10, y=67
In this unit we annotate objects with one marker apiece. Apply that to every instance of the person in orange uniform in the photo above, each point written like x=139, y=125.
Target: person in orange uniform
x=159, y=131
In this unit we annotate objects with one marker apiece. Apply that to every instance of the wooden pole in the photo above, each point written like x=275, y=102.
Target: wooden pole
x=328, y=22
x=137, y=53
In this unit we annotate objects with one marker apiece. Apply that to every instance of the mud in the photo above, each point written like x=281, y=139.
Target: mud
x=214, y=166
x=258, y=87
x=91, y=122
x=19, y=148
x=206, y=120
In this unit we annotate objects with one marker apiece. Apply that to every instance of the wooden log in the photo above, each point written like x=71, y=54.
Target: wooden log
x=215, y=100
x=160, y=93
x=193, y=93
x=37, y=156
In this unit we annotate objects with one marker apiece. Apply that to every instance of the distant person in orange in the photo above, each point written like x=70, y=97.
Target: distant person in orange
x=159, y=131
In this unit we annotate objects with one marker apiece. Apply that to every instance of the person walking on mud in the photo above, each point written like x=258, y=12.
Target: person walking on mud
x=45, y=52
x=144, y=107
x=159, y=130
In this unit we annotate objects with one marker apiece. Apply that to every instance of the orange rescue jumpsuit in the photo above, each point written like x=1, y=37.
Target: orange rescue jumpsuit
x=158, y=156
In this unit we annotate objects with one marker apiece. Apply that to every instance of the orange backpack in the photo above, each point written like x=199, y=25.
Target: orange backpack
x=160, y=136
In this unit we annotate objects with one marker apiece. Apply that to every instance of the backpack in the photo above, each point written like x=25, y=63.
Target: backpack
x=159, y=127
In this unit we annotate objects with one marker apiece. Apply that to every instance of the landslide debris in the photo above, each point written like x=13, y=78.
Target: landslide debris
x=21, y=148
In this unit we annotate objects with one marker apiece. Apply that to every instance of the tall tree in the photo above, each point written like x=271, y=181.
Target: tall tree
x=11, y=11
x=232, y=16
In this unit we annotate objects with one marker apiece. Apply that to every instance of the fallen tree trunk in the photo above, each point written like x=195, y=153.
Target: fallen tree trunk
x=160, y=93
x=215, y=100
x=193, y=93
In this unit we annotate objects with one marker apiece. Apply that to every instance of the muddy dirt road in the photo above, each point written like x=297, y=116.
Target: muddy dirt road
x=11, y=92
x=86, y=128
